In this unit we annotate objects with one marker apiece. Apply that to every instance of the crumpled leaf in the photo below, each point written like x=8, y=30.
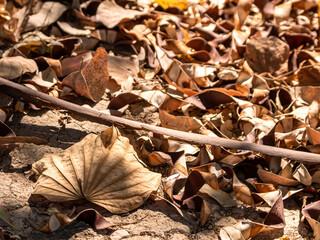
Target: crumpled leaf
x=269, y=177
x=68, y=28
x=91, y=81
x=311, y=213
x=123, y=71
x=111, y=14
x=183, y=123
x=246, y=230
x=267, y=55
x=241, y=191
x=14, y=67
x=223, y=198
x=302, y=174
x=89, y=216
x=49, y=13
x=210, y=98
x=102, y=169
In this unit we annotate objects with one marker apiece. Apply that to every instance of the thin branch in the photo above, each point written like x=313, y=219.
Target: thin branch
x=18, y=91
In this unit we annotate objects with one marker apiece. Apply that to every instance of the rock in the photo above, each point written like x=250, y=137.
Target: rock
x=119, y=234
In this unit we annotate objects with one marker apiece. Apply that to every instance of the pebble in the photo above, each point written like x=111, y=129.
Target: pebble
x=119, y=234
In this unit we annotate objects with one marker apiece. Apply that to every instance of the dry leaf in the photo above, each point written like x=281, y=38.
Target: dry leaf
x=183, y=123
x=223, y=198
x=68, y=28
x=182, y=4
x=123, y=71
x=14, y=67
x=246, y=230
x=241, y=191
x=267, y=55
x=311, y=213
x=89, y=216
x=102, y=169
x=111, y=14
x=49, y=13
x=91, y=81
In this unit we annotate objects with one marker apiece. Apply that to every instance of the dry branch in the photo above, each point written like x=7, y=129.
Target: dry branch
x=18, y=91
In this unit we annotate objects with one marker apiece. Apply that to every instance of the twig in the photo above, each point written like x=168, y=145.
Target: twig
x=18, y=91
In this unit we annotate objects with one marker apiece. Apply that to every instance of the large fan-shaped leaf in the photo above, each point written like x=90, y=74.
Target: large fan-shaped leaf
x=103, y=169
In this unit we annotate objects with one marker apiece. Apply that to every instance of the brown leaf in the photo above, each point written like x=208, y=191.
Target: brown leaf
x=49, y=13
x=241, y=191
x=311, y=213
x=157, y=158
x=223, y=198
x=74, y=64
x=111, y=14
x=302, y=174
x=102, y=169
x=89, y=216
x=306, y=94
x=124, y=71
x=246, y=230
x=209, y=99
x=313, y=136
x=87, y=84
x=267, y=55
x=269, y=177
x=183, y=123
x=14, y=67
x=68, y=28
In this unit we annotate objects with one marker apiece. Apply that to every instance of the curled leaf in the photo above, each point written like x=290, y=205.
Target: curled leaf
x=48, y=14
x=311, y=213
x=111, y=14
x=92, y=80
x=14, y=67
x=89, y=216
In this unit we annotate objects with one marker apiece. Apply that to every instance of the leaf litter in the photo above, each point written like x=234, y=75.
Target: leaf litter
x=241, y=70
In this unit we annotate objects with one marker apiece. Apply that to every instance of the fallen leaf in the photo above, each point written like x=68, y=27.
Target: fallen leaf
x=209, y=99
x=241, y=191
x=311, y=213
x=182, y=4
x=246, y=230
x=223, y=198
x=111, y=14
x=49, y=13
x=268, y=177
x=268, y=55
x=302, y=174
x=14, y=67
x=124, y=71
x=89, y=216
x=68, y=28
x=183, y=123
x=83, y=171
x=90, y=85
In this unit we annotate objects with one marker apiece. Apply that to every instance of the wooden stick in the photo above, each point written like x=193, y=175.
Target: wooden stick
x=19, y=91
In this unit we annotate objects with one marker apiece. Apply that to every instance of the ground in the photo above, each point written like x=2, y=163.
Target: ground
x=153, y=220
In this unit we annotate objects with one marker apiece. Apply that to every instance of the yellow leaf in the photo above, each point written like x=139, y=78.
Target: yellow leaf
x=182, y=4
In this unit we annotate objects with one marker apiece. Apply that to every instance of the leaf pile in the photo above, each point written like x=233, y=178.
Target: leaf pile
x=247, y=70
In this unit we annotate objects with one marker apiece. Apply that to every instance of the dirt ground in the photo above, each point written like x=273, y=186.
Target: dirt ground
x=153, y=220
